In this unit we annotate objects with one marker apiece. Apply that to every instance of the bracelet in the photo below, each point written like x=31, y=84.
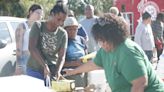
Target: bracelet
x=19, y=66
x=18, y=49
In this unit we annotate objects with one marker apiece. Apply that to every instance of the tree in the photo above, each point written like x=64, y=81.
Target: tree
x=19, y=8
x=100, y=5
x=11, y=8
x=77, y=6
x=46, y=4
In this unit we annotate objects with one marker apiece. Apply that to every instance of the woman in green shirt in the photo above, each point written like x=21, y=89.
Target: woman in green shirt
x=126, y=66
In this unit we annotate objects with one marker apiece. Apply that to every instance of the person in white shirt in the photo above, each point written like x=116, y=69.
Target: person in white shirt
x=88, y=23
x=144, y=36
x=35, y=13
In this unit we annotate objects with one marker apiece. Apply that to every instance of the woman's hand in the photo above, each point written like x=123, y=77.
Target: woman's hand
x=59, y=77
x=18, y=70
x=46, y=71
x=89, y=66
x=69, y=72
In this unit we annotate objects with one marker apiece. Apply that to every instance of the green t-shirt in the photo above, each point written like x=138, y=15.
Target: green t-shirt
x=125, y=64
x=49, y=44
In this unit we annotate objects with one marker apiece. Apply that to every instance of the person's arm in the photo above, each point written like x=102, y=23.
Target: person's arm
x=19, y=33
x=134, y=69
x=162, y=36
x=73, y=63
x=138, y=35
x=139, y=84
x=89, y=66
x=34, y=51
x=162, y=40
x=61, y=55
x=60, y=62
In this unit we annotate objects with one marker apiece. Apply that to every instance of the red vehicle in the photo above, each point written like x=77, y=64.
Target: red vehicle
x=132, y=9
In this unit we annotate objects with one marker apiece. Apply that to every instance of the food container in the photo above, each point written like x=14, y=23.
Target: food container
x=63, y=85
x=88, y=57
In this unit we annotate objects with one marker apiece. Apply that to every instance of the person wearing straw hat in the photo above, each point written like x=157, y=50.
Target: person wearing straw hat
x=75, y=50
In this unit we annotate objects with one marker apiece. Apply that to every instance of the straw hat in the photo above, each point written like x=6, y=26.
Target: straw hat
x=70, y=21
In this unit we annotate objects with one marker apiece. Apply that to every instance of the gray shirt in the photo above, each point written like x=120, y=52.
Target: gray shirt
x=88, y=24
x=144, y=37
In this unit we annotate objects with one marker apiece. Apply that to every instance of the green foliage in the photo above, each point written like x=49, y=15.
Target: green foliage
x=100, y=5
x=11, y=8
x=107, y=4
x=19, y=8
x=46, y=4
x=76, y=6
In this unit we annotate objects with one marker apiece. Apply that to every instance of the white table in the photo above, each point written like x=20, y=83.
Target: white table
x=22, y=83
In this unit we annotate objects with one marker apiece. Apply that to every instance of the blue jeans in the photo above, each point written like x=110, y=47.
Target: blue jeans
x=34, y=73
x=23, y=61
x=149, y=54
x=40, y=74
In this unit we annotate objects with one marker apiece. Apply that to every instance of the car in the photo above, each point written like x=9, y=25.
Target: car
x=8, y=26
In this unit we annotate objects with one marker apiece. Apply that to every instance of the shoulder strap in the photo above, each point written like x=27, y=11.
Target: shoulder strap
x=82, y=40
x=25, y=24
x=39, y=24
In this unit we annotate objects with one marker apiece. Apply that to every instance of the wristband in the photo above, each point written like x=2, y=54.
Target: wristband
x=19, y=66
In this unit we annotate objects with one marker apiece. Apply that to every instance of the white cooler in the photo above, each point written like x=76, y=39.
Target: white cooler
x=160, y=66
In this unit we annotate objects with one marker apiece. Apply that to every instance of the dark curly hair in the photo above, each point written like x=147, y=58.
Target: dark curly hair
x=110, y=28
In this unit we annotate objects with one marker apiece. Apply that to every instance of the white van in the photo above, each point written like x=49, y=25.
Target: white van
x=8, y=26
